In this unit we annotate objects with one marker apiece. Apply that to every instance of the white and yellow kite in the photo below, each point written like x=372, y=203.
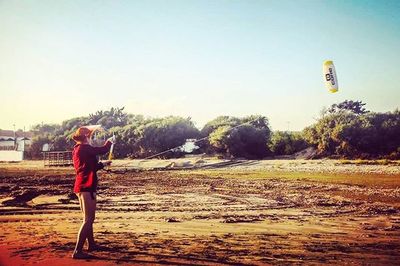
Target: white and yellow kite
x=330, y=77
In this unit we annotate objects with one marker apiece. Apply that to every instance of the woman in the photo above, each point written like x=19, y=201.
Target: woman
x=86, y=165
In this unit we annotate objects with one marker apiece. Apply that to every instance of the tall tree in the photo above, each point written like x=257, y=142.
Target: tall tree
x=355, y=107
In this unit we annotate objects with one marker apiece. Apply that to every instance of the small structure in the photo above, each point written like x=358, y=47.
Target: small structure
x=57, y=158
x=189, y=146
x=13, y=144
x=7, y=140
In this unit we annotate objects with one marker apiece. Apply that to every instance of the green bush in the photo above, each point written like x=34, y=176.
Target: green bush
x=287, y=143
x=159, y=135
x=349, y=135
x=235, y=137
x=35, y=150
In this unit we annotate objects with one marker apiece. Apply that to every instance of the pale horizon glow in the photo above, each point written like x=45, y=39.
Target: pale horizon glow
x=199, y=59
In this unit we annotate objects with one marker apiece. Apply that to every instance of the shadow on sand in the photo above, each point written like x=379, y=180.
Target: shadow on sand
x=117, y=254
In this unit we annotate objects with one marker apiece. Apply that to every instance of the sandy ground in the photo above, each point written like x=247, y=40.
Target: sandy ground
x=252, y=212
x=322, y=166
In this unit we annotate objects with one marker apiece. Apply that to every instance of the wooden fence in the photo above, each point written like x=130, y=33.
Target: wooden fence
x=57, y=158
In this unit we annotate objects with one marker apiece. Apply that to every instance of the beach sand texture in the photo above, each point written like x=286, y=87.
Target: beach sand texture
x=225, y=216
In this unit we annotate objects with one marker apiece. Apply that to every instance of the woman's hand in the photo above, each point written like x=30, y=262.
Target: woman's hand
x=112, y=139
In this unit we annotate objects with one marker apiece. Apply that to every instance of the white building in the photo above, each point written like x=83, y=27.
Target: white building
x=13, y=144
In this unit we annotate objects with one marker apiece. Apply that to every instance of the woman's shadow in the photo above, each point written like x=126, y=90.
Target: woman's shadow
x=119, y=254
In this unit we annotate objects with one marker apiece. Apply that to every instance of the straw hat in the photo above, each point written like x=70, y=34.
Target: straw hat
x=81, y=133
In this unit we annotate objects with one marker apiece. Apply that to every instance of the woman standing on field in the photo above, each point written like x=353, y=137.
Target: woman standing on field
x=86, y=165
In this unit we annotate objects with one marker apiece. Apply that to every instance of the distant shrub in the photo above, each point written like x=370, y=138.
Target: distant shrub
x=286, y=143
x=238, y=137
x=349, y=135
x=35, y=149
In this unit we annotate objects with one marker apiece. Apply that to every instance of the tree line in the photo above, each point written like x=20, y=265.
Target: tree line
x=345, y=130
x=348, y=130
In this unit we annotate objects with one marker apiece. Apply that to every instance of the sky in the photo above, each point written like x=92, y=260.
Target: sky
x=199, y=59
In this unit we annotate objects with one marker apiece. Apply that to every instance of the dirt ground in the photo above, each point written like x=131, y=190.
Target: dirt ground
x=226, y=216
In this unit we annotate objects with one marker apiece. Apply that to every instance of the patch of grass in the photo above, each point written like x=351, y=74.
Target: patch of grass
x=358, y=179
x=371, y=162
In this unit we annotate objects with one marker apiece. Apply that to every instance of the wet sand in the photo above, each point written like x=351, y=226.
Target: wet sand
x=205, y=217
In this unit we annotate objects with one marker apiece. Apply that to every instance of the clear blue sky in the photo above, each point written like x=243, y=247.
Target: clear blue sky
x=61, y=59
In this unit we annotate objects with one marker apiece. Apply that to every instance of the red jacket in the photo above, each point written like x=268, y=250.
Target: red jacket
x=86, y=165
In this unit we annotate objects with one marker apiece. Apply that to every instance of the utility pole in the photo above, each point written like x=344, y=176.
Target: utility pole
x=15, y=139
x=24, y=139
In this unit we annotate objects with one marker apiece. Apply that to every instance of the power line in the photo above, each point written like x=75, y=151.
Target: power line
x=177, y=147
x=198, y=140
